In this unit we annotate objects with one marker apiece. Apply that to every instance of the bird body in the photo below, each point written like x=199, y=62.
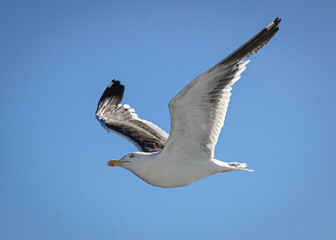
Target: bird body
x=197, y=116
x=174, y=171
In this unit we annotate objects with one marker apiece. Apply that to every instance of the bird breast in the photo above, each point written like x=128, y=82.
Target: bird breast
x=170, y=173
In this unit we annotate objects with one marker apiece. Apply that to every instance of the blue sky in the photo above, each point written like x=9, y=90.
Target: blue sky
x=56, y=59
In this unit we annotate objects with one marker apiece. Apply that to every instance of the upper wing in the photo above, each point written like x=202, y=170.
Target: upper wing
x=198, y=111
x=123, y=120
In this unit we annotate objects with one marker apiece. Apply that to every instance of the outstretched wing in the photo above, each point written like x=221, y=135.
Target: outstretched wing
x=123, y=120
x=198, y=111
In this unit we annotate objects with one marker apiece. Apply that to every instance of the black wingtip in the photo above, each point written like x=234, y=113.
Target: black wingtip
x=254, y=44
x=274, y=24
x=277, y=21
x=115, y=91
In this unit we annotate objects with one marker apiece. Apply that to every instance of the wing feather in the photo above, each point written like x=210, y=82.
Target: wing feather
x=122, y=120
x=198, y=111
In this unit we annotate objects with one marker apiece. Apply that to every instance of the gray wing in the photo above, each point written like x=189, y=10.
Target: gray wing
x=198, y=111
x=123, y=120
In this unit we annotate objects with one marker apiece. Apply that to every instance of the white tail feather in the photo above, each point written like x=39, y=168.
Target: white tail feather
x=240, y=166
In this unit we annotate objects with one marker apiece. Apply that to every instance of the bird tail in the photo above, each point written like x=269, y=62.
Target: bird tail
x=239, y=166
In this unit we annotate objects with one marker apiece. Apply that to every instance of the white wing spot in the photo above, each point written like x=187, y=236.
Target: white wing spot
x=269, y=25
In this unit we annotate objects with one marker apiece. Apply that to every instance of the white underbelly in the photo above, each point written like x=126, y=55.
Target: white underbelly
x=175, y=174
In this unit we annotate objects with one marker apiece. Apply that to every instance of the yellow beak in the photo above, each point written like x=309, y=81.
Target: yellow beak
x=113, y=163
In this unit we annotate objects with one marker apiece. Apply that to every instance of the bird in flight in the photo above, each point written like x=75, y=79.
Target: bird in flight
x=197, y=115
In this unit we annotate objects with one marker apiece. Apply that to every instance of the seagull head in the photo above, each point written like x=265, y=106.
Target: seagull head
x=125, y=161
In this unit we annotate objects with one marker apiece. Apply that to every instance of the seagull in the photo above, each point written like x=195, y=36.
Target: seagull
x=197, y=114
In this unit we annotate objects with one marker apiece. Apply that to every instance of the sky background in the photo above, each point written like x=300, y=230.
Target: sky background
x=56, y=59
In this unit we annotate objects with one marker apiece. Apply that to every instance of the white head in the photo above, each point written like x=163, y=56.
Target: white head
x=129, y=160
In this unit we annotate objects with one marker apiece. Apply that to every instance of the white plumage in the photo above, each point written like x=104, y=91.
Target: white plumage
x=197, y=116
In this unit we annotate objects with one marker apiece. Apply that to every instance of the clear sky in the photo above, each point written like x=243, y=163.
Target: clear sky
x=57, y=57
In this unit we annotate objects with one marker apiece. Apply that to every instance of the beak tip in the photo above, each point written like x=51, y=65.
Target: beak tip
x=113, y=163
x=110, y=163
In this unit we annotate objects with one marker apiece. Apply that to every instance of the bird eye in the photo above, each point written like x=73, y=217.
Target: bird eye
x=131, y=155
